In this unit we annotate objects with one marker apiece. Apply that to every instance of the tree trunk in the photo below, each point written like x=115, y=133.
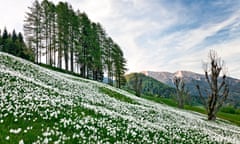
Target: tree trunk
x=211, y=116
x=66, y=57
x=60, y=56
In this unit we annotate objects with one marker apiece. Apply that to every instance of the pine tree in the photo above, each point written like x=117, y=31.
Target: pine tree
x=85, y=44
x=95, y=52
x=12, y=46
x=101, y=45
x=60, y=28
x=5, y=38
x=52, y=33
x=72, y=37
x=33, y=29
x=49, y=30
x=45, y=28
x=109, y=59
x=78, y=43
x=119, y=66
x=63, y=33
x=14, y=36
x=15, y=45
x=24, y=51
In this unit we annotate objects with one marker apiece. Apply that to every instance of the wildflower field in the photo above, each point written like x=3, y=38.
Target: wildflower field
x=38, y=105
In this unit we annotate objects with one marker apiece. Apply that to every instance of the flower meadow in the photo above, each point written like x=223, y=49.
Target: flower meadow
x=41, y=106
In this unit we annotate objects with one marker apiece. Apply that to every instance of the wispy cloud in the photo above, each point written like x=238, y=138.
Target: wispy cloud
x=161, y=35
x=168, y=36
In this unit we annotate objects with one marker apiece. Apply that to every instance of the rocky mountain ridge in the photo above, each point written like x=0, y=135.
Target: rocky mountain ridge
x=191, y=79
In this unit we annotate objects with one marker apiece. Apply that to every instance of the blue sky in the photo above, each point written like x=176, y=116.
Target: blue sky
x=159, y=35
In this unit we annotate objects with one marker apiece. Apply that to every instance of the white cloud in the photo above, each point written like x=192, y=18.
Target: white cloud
x=127, y=27
x=230, y=52
x=183, y=50
x=148, y=31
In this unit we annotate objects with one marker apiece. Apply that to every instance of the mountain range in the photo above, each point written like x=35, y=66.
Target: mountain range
x=191, y=79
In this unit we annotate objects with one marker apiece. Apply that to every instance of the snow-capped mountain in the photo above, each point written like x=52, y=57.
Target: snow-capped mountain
x=167, y=77
x=191, y=79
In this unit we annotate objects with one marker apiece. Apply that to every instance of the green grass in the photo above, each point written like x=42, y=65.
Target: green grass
x=37, y=125
x=48, y=108
x=230, y=109
x=233, y=117
x=166, y=101
x=199, y=109
x=59, y=70
x=116, y=95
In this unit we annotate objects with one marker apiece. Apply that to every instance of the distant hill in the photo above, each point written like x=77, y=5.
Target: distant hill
x=191, y=79
x=150, y=86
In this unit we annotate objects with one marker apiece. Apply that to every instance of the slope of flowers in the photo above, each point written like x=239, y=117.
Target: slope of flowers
x=42, y=106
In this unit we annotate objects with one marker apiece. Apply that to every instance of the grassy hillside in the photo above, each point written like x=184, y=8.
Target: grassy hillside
x=42, y=106
x=228, y=113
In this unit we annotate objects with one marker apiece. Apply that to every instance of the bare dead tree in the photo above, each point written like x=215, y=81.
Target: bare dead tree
x=182, y=93
x=137, y=84
x=218, y=90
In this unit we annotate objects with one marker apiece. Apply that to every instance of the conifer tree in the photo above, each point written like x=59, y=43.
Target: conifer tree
x=15, y=45
x=60, y=33
x=109, y=59
x=119, y=65
x=85, y=44
x=102, y=46
x=78, y=44
x=33, y=29
x=74, y=33
x=5, y=38
x=14, y=36
x=45, y=28
x=52, y=33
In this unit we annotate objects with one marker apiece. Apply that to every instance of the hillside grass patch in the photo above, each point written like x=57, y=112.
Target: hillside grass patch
x=116, y=95
x=160, y=100
x=225, y=113
x=43, y=106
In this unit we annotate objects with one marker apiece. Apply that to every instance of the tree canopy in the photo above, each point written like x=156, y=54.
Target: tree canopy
x=64, y=38
x=14, y=44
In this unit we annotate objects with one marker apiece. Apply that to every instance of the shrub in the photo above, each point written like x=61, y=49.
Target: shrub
x=229, y=109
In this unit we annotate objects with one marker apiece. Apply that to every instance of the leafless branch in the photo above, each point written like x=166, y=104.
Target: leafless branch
x=201, y=96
